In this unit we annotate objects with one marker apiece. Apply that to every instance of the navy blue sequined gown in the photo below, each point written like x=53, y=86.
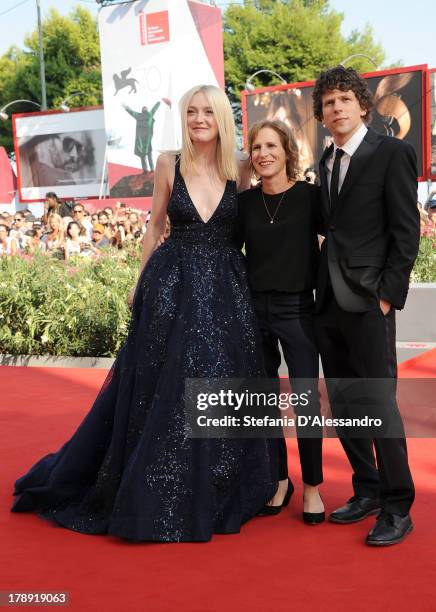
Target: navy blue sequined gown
x=129, y=469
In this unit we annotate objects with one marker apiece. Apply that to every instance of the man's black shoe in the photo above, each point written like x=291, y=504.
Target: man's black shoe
x=356, y=509
x=389, y=529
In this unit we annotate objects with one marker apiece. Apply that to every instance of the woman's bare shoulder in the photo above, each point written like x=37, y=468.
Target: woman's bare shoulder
x=165, y=168
x=166, y=160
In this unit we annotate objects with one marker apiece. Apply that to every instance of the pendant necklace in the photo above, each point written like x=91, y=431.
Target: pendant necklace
x=276, y=210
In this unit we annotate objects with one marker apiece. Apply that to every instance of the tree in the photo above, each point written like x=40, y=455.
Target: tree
x=296, y=38
x=72, y=64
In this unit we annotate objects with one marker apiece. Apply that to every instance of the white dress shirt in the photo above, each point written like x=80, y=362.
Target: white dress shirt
x=349, y=148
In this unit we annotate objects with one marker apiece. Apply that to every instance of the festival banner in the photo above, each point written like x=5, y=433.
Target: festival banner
x=8, y=183
x=399, y=111
x=60, y=151
x=432, y=109
x=152, y=52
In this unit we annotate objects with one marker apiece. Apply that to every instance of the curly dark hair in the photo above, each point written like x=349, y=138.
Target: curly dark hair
x=287, y=140
x=344, y=79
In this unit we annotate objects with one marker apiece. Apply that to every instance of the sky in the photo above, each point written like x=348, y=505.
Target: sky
x=405, y=29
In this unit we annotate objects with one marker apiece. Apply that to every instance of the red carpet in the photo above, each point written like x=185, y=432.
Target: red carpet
x=423, y=366
x=275, y=564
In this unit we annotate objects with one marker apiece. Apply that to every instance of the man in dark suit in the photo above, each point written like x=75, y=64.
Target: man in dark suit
x=369, y=202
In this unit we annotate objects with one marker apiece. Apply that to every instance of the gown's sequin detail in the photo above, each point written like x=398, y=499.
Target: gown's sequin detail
x=129, y=469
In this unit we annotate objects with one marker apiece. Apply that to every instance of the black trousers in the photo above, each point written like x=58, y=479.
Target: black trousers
x=361, y=346
x=288, y=318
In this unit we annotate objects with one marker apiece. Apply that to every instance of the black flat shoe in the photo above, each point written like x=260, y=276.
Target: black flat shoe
x=273, y=510
x=313, y=518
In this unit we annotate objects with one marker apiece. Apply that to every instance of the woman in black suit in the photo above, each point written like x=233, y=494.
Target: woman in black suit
x=278, y=223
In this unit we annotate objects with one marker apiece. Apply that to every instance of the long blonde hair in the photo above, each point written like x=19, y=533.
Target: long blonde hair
x=60, y=238
x=226, y=141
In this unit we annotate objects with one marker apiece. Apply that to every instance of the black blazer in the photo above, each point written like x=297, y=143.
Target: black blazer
x=372, y=235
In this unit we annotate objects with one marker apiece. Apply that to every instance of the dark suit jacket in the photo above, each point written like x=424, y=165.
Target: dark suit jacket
x=372, y=235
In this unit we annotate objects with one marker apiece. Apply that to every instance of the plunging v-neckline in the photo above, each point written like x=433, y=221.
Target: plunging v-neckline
x=196, y=209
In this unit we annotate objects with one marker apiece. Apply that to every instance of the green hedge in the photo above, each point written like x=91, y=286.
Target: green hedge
x=79, y=308
x=424, y=270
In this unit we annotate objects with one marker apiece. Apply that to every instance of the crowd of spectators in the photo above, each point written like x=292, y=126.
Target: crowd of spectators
x=69, y=229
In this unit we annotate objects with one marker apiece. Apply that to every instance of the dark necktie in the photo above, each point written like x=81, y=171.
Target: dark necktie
x=334, y=183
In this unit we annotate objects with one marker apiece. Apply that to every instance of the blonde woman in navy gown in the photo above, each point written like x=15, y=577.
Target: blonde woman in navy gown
x=130, y=470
